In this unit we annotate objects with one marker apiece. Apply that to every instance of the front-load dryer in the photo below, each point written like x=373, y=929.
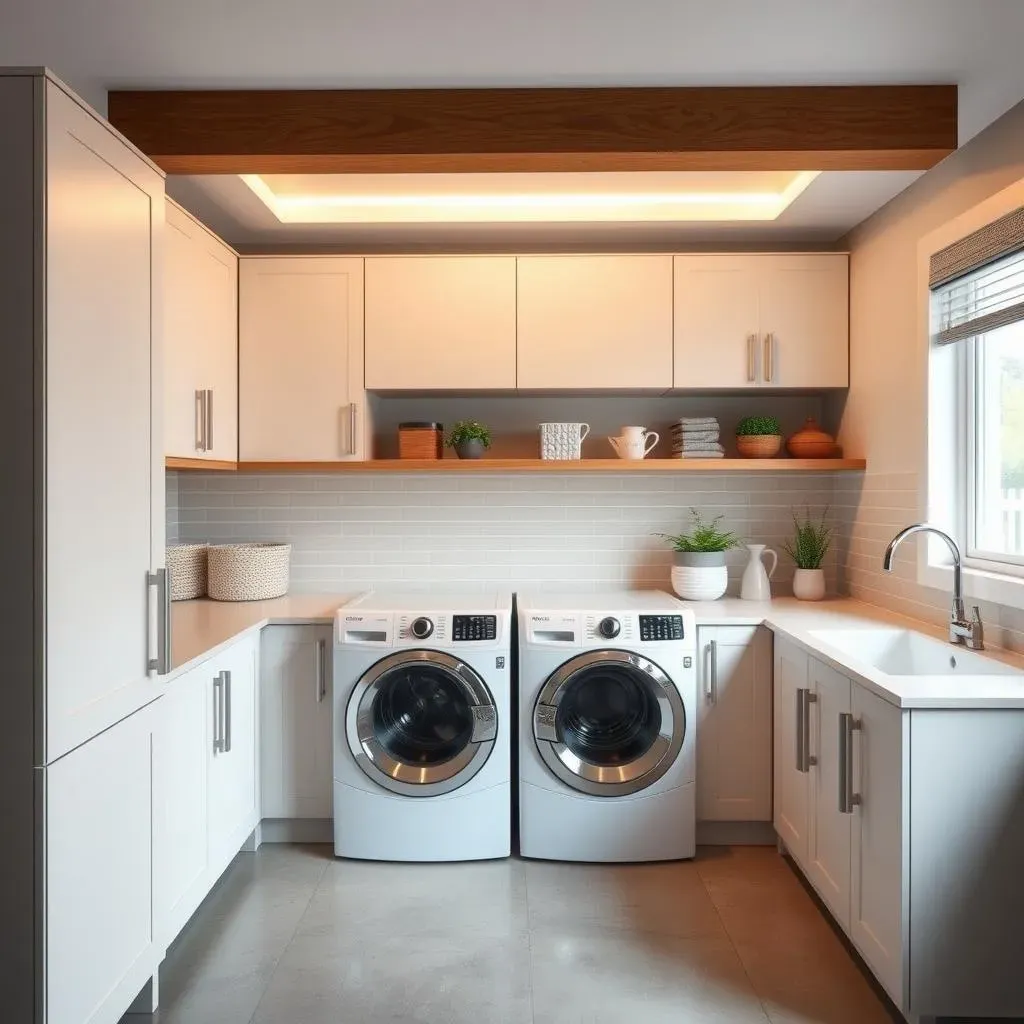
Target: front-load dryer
x=422, y=728
x=607, y=716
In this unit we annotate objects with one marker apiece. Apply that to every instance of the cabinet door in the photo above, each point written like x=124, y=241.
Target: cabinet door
x=179, y=812
x=805, y=320
x=104, y=466
x=301, y=359
x=232, y=788
x=296, y=726
x=876, y=897
x=441, y=322
x=828, y=866
x=99, y=922
x=717, y=316
x=734, y=730
x=200, y=341
x=792, y=784
x=594, y=322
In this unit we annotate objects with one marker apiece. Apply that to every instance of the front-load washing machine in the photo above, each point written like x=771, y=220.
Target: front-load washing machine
x=422, y=728
x=607, y=716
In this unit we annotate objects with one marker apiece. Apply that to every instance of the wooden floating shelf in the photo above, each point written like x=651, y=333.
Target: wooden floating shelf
x=535, y=466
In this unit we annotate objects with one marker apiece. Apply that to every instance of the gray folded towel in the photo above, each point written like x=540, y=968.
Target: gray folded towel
x=696, y=437
x=698, y=421
x=702, y=455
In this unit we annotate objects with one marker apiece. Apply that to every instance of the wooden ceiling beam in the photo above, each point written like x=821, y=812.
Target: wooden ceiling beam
x=903, y=127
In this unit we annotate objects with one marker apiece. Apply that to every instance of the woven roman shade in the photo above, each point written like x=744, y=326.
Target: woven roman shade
x=978, y=282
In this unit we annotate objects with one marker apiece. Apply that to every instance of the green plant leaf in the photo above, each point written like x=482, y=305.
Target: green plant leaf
x=757, y=426
x=703, y=536
x=468, y=430
x=811, y=541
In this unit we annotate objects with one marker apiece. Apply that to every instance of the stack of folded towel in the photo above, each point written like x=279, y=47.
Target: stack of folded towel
x=697, y=437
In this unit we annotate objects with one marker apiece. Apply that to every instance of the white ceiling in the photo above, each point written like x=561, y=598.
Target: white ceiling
x=104, y=44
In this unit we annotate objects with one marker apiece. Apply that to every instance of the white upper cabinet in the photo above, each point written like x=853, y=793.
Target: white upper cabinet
x=104, y=479
x=594, y=322
x=762, y=320
x=734, y=724
x=440, y=322
x=301, y=359
x=200, y=342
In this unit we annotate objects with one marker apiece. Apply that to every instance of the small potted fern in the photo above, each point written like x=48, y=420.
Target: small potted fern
x=758, y=437
x=469, y=439
x=699, y=572
x=810, y=544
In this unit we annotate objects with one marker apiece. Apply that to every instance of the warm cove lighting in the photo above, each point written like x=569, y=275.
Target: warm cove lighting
x=380, y=202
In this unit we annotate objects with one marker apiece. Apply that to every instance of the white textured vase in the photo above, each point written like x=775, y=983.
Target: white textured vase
x=809, y=584
x=700, y=576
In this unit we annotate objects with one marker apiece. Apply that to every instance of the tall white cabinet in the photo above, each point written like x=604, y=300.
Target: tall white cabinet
x=82, y=492
x=200, y=342
x=300, y=352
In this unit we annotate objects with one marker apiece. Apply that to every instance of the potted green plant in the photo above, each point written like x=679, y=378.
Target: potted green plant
x=698, y=571
x=758, y=437
x=469, y=439
x=810, y=544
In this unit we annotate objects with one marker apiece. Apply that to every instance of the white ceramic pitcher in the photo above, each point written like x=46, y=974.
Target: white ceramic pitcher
x=634, y=442
x=756, y=585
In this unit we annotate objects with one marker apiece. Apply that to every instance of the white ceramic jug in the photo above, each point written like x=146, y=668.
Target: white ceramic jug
x=634, y=442
x=756, y=585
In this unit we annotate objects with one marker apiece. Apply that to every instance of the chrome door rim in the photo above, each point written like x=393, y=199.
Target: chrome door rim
x=606, y=780
x=419, y=780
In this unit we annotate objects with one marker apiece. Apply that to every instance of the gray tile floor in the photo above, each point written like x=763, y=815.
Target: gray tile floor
x=293, y=936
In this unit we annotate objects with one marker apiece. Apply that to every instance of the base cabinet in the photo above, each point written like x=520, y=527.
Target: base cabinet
x=296, y=723
x=791, y=790
x=734, y=724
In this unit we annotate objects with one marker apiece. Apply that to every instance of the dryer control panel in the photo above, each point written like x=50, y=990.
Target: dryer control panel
x=611, y=629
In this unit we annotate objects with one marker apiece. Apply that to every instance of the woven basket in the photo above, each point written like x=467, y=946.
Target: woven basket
x=248, y=572
x=186, y=565
x=759, y=446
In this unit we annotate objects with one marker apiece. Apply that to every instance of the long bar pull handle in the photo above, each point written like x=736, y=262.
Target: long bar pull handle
x=200, y=424
x=769, y=357
x=712, y=687
x=751, y=342
x=801, y=732
x=218, y=713
x=227, y=712
x=209, y=419
x=161, y=580
x=321, y=670
x=352, y=427
x=848, y=799
x=809, y=758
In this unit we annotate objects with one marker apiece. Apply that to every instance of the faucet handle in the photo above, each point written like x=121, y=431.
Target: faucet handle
x=976, y=615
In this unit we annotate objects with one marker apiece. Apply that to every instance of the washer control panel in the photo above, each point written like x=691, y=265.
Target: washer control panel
x=474, y=627
x=661, y=627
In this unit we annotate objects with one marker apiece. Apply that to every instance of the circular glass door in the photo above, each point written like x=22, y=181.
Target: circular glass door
x=609, y=723
x=421, y=723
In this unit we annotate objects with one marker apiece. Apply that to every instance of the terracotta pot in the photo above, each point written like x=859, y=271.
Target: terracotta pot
x=811, y=442
x=759, y=446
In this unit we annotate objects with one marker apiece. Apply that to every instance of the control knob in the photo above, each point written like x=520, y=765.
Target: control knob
x=422, y=628
x=609, y=627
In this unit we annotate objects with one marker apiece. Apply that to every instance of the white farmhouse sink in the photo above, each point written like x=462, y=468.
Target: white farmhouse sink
x=902, y=652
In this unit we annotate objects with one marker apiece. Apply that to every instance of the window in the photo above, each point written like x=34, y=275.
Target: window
x=978, y=307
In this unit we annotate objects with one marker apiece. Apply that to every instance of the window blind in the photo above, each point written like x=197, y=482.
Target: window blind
x=985, y=294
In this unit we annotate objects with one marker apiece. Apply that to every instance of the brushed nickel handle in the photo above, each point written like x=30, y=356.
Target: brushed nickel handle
x=321, y=670
x=801, y=741
x=227, y=712
x=751, y=342
x=847, y=798
x=712, y=689
x=161, y=580
x=209, y=419
x=218, y=713
x=352, y=418
x=769, y=357
x=200, y=421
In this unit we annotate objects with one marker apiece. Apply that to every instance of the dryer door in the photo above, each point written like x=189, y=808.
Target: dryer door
x=421, y=723
x=609, y=723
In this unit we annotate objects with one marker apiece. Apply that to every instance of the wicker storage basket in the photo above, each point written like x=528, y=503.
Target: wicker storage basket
x=248, y=572
x=186, y=565
x=759, y=446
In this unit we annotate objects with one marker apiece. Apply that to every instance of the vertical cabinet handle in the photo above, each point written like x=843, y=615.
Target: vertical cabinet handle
x=209, y=420
x=352, y=427
x=711, y=678
x=160, y=580
x=804, y=757
x=227, y=712
x=769, y=357
x=321, y=670
x=200, y=417
x=848, y=799
x=751, y=342
x=218, y=713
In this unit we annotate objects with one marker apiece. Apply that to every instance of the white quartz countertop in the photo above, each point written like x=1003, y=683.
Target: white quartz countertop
x=201, y=629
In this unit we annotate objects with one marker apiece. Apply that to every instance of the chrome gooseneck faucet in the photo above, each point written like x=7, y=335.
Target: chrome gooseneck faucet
x=968, y=632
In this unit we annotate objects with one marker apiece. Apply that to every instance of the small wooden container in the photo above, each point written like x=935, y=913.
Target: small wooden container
x=421, y=440
x=811, y=442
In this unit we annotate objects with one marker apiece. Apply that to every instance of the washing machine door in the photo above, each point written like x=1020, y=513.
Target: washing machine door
x=421, y=723
x=609, y=723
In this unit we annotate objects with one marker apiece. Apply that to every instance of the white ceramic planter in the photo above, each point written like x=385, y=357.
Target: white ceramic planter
x=700, y=575
x=809, y=584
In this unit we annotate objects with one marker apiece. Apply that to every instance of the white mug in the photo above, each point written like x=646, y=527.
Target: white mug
x=562, y=440
x=634, y=442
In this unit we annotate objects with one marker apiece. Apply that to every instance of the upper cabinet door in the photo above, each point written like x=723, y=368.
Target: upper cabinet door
x=440, y=322
x=200, y=342
x=301, y=359
x=805, y=320
x=104, y=467
x=602, y=322
x=717, y=316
